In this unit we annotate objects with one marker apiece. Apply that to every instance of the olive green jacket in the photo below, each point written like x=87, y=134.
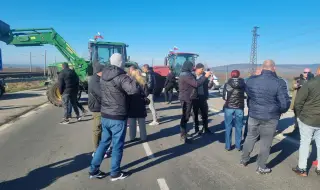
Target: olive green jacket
x=307, y=103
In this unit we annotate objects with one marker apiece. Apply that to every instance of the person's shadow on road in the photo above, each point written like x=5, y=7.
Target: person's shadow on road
x=41, y=178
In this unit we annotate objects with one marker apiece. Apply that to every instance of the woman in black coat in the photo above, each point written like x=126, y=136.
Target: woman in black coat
x=137, y=108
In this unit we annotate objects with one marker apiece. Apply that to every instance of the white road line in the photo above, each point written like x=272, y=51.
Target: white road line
x=147, y=150
x=28, y=114
x=44, y=105
x=162, y=184
x=4, y=126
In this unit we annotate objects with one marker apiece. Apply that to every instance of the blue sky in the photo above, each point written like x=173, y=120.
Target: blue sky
x=220, y=31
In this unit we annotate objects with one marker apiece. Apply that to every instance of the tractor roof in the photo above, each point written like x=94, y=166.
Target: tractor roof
x=182, y=53
x=109, y=43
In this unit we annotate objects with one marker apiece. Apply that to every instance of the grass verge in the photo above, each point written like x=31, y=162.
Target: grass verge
x=19, y=86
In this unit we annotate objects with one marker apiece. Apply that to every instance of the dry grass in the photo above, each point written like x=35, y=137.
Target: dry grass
x=19, y=86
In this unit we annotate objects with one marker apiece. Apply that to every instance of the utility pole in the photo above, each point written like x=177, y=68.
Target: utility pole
x=253, y=55
x=45, y=63
x=30, y=62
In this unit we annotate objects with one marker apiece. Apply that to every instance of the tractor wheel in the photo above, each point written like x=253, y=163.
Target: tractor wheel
x=53, y=95
x=159, y=84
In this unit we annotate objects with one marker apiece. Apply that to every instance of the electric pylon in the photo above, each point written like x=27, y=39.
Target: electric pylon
x=253, y=55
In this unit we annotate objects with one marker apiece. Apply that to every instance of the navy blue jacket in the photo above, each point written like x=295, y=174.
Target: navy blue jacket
x=267, y=96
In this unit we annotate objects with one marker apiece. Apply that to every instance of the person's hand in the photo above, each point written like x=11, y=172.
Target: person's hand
x=208, y=74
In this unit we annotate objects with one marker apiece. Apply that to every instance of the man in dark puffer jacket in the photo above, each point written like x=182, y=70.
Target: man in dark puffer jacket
x=233, y=94
x=188, y=85
x=115, y=85
x=268, y=99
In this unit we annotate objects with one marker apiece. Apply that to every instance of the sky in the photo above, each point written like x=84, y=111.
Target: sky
x=219, y=31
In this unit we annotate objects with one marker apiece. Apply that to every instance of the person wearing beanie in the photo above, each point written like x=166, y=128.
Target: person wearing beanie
x=200, y=102
x=188, y=85
x=233, y=94
x=94, y=105
x=115, y=86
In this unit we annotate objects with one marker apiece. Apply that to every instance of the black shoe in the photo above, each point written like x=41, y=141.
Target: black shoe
x=244, y=164
x=263, y=170
x=121, y=175
x=317, y=171
x=300, y=172
x=84, y=112
x=98, y=174
x=207, y=131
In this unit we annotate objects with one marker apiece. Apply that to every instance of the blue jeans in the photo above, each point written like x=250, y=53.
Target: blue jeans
x=306, y=134
x=114, y=130
x=236, y=116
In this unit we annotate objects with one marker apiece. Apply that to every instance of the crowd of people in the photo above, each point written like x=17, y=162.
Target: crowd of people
x=118, y=99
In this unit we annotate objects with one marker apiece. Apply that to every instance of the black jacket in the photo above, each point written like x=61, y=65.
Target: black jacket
x=116, y=85
x=94, y=93
x=188, y=83
x=268, y=96
x=68, y=81
x=307, y=103
x=233, y=93
x=137, y=107
x=170, y=82
x=208, y=84
x=151, y=81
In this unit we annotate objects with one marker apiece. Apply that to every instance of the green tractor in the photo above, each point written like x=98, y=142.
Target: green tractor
x=98, y=50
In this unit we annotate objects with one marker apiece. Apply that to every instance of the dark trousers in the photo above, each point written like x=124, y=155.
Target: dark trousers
x=202, y=105
x=69, y=100
x=264, y=129
x=186, y=112
x=168, y=95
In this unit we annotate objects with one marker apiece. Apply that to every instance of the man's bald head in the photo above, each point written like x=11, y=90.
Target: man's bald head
x=269, y=65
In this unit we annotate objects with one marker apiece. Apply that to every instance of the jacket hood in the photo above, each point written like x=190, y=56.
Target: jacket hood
x=187, y=66
x=110, y=72
x=236, y=83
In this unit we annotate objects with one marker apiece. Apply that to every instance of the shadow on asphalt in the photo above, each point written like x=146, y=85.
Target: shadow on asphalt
x=43, y=177
x=285, y=123
x=19, y=96
x=174, y=152
x=11, y=107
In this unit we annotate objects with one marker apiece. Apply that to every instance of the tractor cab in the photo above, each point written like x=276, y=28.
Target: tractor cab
x=176, y=60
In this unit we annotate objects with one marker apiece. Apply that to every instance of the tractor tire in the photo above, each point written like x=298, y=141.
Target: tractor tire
x=53, y=95
x=159, y=84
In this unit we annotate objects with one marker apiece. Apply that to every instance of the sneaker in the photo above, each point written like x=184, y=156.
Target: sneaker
x=207, y=131
x=243, y=163
x=65, y=121
x=154, y=123
x=300, y=172
x=263, y=170
x=185, y=139
x=98, y=174
x=317, y=171
x=79, y=118
x=84, y=112
x=121, y=175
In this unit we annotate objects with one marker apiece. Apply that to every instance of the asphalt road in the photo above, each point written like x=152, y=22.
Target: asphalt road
x=39, y=153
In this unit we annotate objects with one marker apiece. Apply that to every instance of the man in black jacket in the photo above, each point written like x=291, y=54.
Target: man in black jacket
x=151, y=83
x=115, y=85
x=94, y=105
x=169, y=84
x=68, y=86
x=200, y=103
x=188, y=85
x=268, y=99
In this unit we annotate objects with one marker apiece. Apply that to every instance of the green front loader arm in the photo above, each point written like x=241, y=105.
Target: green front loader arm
x=42, y=36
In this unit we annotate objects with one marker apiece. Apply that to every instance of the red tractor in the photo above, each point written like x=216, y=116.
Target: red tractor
x=173, y=60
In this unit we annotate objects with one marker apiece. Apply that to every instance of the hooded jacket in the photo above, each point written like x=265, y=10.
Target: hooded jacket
x=116, y=85
x=68, y=81
x=233, y=93
x=151, y=81
x=94, y=91
x=188, y=83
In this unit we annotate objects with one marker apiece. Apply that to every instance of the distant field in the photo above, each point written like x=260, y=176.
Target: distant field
x=21, y=70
